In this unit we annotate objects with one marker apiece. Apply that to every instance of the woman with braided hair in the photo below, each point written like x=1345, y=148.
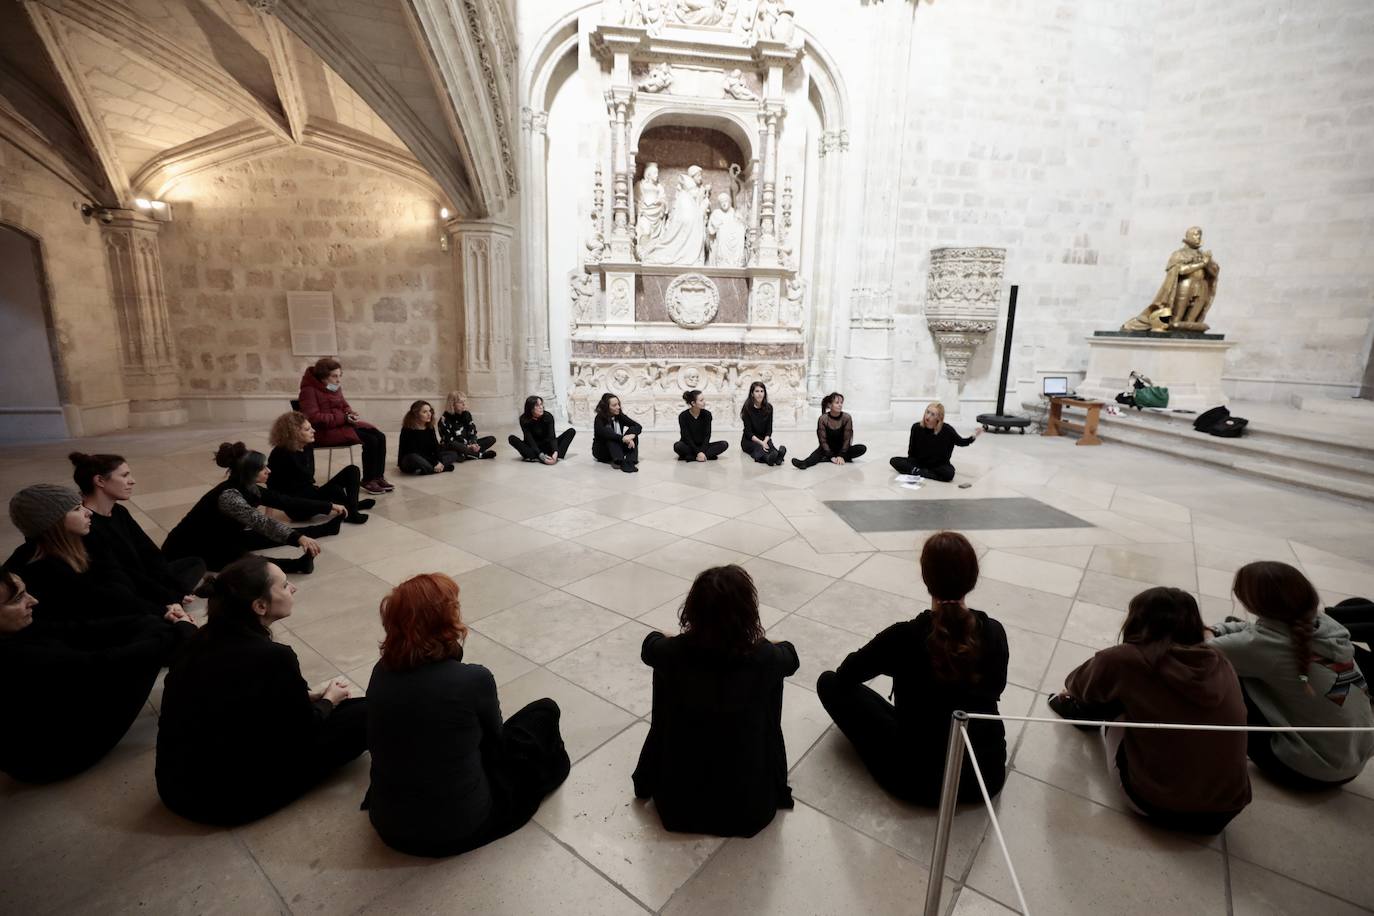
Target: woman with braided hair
x=950, y=657
x=1297, y=667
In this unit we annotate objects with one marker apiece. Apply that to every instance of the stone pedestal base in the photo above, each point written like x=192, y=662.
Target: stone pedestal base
x=1190, y=368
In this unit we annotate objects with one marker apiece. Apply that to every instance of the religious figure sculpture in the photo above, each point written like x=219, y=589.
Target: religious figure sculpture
x=682, y=240
x=659, y=78
x=700, y=12
x=653, y=204
x=796, y=293
x=726, y=233
x=737, y=88
x=773, y=21
x=1190, y=285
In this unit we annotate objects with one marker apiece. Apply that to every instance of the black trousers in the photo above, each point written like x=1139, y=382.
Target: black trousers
x=531, y=762
x=686, y=452
x=531, y=452
x=758, y=452
x=819, y=456
x=1357, y=616
x=942, y=472
x=617, y=453
x=342, y=489
x=374, y=451
x=419, y=464
x=187, y=572
x=484, y=444
x=908, y=766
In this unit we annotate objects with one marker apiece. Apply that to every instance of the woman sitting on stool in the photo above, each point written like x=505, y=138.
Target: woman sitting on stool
x=540, y=442
x=757, y=438
x=615, y=437
x=950, y=657
x=932, y=442
x=241, y=734
x=419, y=449
x=835, y=431
x=322, y=401
x=694, y=424
x=447, y=774
x=292, y=464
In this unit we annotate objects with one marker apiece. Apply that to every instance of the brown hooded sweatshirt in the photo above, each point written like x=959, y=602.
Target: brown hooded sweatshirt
x=1178, y=771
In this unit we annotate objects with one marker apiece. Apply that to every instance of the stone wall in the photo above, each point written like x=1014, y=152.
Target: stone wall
x=246, y=235
x=1259, y=129
x=90, y=384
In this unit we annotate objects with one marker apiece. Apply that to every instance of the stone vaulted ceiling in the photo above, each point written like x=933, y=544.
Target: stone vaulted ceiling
x=122, y=98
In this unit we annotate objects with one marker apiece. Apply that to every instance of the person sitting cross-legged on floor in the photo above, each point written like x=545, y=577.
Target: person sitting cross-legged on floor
x=949, y=657
x=931, y=445
x=694, y=428
x=458, y=431
x=540, y=440
x=447, y=774
x=419, y=451
x=1297, y=667
x=615, y=436
x=714, y=760
x=1164, y=671
x=835, y=433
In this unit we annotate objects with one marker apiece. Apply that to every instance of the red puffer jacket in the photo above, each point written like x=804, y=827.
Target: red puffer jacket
x=328, y=412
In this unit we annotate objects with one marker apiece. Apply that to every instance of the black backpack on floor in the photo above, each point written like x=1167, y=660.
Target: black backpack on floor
x=1219, y=422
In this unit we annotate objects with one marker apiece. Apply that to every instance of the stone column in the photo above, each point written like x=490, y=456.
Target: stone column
x=767, y=254
x=868, y=363
x=152, y=380
x=618, y=103
x=482, y=263
x=820, y=372
x=534, y=215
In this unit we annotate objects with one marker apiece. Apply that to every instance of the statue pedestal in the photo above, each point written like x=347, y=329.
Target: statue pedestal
x=1190, y=367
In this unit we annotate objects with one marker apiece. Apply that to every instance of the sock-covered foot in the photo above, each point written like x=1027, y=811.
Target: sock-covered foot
x=357, y=518
x=365, y=504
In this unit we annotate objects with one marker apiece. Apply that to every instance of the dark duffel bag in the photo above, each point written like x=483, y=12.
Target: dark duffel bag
x=1219, y=422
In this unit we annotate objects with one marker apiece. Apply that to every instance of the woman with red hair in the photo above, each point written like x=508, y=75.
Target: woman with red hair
x=447, y=775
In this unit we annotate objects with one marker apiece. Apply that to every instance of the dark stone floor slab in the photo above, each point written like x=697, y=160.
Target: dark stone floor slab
x=954, y=514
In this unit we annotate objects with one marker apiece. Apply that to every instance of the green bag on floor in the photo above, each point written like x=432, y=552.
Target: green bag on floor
x=1152, y=396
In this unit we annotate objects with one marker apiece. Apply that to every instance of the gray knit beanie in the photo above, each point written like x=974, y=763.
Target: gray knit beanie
x=36, y=509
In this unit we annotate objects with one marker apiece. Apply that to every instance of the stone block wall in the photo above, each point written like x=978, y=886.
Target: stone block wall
x=299, y=220
x=1259, y=129
x=89, y=371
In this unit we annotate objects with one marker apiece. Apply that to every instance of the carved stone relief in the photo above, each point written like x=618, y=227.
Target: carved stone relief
x=583, y=289
x=963, y=288
x=621, y=307
x=692, y=300
x=765, y=309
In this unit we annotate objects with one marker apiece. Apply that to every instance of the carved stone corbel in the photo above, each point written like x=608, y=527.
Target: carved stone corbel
x=963, y=289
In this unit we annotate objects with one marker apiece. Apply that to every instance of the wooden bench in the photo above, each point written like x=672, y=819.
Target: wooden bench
x=1088, y=427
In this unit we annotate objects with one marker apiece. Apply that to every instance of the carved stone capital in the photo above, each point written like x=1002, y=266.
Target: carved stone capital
x=833, y=141
x=534, y=121
x=963, y=288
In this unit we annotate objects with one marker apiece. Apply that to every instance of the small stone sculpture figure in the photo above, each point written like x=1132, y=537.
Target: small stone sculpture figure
x=682, y=240
x=1189, y=287
x=737, y=88
x=659, y=78
x=653, y=205
x=725, y=230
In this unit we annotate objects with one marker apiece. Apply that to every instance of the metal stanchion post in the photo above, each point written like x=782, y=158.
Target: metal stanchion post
x=949, y=799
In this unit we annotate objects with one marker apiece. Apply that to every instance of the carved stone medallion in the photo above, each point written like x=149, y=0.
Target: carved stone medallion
x=692, y=300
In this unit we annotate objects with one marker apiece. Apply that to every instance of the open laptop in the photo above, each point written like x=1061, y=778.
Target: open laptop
x=1055, y=386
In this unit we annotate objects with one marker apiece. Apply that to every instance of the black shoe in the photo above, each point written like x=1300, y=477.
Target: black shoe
x=782, y=453
x=488, y=454
x=357, y=518
x=799, y=464
x=365, y=504
x=630, y=468
x=303, y=565
x=1067, y=707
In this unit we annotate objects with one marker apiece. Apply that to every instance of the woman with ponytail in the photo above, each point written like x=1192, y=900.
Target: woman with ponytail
x=1297, y=667
x=241, y=734
x=950, y=657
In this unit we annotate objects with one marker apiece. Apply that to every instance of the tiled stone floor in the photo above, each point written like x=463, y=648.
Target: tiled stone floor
x=532, y=546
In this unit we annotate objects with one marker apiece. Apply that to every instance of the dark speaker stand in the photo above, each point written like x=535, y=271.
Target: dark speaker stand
x=999, y=422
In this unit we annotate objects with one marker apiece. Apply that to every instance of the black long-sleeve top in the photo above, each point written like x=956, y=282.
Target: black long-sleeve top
x=423, y=442
x=64, y=594
x=238, y=727
x=433, y=732
x=695, y=431
x=457, y=430
x=117, y=540
x=50, y=725
x=714, y=760
x=293, y=472
x=757, y=423
x=212, y=529
x=923, y=701
x=540, y=433
x=835, y=433
x=928, y=448
x=603, y=431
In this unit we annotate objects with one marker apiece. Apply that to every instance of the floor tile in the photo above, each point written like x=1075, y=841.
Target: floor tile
x=561, y=563
x=1130, y=563
x=972, y=903
x=625, y=505
x=500, y=544
x=1093, y=626
x=742, y=536
x=1055, y=578
x=571, y=523
x=891, y=574
x=504, y=665
x=1019, y=606
x=380, y=544
x=347, y=640
x=492, y=588
x=548, y=626
x=784, y=587
x=1068, y=554
x=630, y=589
x=858, y=608
x=679, y=520
x=687, y=557
x=795, y=551
x=610, y=667
x=1109, y=591
x=586, y=721
x=441, y=558
x=1258, y=892
x=819, y=647
x=628, y=540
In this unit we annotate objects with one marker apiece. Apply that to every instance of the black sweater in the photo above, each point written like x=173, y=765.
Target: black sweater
x=237, y=729
x=603, y=432
x=68, y=691
x=422, y=442
x=540, y=433
x=696, y=432
x=714, y=759
x=929, y=449
x=217, y=526
x=457, y=430
x=433, y=732
x=293, y=472
x=64, y=594
x=923, y=701
x=117, y=540
x=757, y=423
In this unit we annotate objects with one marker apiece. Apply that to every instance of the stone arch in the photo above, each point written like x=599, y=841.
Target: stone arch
x=730, y=123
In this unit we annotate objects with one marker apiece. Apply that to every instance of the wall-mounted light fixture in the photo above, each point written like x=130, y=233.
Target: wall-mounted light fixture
x=104, y=214
x=159, y=210
x=444, y=214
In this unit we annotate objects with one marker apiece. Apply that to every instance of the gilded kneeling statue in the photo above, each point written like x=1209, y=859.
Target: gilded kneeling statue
x=1190, y=285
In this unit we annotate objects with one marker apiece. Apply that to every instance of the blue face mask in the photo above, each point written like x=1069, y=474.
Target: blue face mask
x=331, y=387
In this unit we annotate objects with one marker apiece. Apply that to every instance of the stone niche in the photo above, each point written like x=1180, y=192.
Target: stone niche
x=676, y=290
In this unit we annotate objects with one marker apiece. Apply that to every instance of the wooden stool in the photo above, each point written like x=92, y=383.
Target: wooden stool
x=1088, y=427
